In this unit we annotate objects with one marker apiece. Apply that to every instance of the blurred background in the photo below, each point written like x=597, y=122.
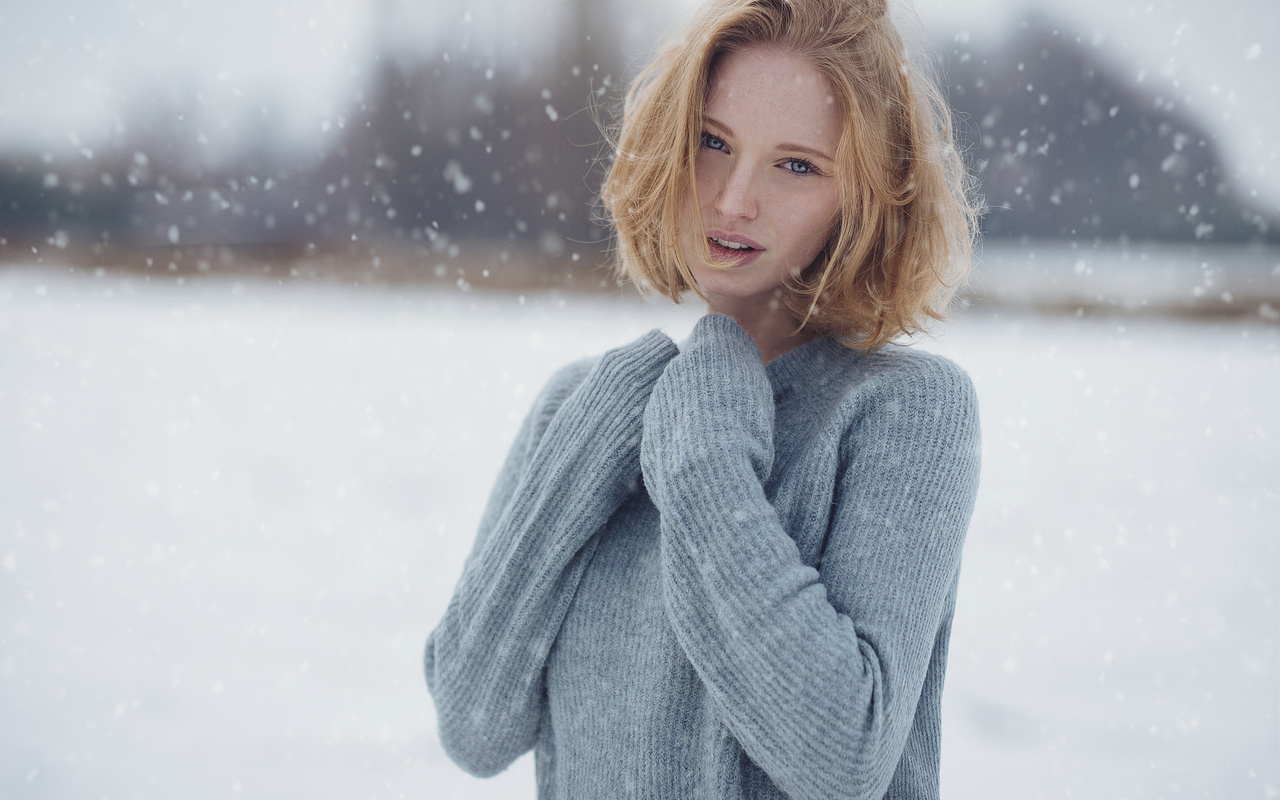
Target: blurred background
x=375, y=140
x=278, y=280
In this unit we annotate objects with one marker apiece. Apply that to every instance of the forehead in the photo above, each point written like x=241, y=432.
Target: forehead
x=777, y=90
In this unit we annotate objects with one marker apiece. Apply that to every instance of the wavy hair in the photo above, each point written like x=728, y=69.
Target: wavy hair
x=908, y=212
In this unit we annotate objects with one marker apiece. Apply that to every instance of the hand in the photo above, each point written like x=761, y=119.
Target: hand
x=713, y=402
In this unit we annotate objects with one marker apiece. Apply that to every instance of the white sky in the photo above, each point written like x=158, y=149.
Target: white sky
x=73, y=67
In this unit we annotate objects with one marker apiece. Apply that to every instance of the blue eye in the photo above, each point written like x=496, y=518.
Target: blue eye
x=799, y=166
x=713, y=142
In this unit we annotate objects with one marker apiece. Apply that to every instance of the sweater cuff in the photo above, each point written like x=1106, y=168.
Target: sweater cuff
x=710, y=414
x=641, y=360
x=719, y=373
x=617, y=388
x=721, y=332
x=596, y=431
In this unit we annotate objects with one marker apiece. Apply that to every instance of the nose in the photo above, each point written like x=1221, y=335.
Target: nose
x=736, y=198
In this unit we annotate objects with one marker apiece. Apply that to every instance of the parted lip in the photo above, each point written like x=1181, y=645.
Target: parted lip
x=735, y=238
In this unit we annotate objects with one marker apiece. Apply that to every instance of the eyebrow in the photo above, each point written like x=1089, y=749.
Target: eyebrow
x=788, y=146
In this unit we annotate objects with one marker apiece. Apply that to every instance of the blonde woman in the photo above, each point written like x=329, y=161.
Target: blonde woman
x=728, y=569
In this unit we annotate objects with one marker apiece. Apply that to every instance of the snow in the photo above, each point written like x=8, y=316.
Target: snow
x=231, y=512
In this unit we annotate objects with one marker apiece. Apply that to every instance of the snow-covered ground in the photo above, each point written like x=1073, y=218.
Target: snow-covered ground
x=231, y=512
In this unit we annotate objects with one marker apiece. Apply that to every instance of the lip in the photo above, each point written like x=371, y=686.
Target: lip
x=725, y=257
x=735, y=238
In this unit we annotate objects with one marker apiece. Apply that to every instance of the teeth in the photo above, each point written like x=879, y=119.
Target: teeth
x=730, y=245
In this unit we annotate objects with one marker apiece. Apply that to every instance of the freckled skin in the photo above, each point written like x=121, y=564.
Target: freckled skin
x=766, y=173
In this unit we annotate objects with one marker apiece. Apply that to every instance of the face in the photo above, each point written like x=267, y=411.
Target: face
x=765, y=170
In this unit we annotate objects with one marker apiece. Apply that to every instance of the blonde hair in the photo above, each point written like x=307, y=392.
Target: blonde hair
x=908, y=216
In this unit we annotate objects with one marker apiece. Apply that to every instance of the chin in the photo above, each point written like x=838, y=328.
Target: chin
x=731, y=292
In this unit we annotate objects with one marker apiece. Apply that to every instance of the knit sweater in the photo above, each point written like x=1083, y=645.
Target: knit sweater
x=700, y=576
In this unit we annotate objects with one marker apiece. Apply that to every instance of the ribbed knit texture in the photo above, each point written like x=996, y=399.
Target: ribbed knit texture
x=703, y=577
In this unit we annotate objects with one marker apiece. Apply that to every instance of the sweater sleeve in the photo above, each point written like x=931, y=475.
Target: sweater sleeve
x=484, y=661
x=816, y=674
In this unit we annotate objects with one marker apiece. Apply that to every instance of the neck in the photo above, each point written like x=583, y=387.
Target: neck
x=770, y=325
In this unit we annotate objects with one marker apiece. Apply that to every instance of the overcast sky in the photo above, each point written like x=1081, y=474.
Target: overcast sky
x=73, y=67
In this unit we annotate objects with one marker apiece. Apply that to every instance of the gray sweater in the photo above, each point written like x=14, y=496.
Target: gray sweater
x=699, y=576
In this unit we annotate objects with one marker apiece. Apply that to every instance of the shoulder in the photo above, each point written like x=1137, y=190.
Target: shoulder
x=905, y=418
x=922, y=409
x=834, y=374
x=922, y=388
x=903, y=395
x=562, y=383
x=927, y=378
x=565, y=380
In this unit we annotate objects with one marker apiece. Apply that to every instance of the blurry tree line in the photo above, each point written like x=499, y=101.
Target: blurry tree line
x=450, y=148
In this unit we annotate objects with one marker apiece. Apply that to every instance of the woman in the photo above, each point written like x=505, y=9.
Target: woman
x=729, y=569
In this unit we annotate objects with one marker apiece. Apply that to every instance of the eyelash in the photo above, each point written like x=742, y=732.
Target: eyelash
x=809, y=168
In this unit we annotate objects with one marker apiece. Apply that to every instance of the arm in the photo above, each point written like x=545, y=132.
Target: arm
x=816, y=675
x=484, y=662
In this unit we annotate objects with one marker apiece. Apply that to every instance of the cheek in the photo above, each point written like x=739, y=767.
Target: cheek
x=705, y=178
x=813, y=224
